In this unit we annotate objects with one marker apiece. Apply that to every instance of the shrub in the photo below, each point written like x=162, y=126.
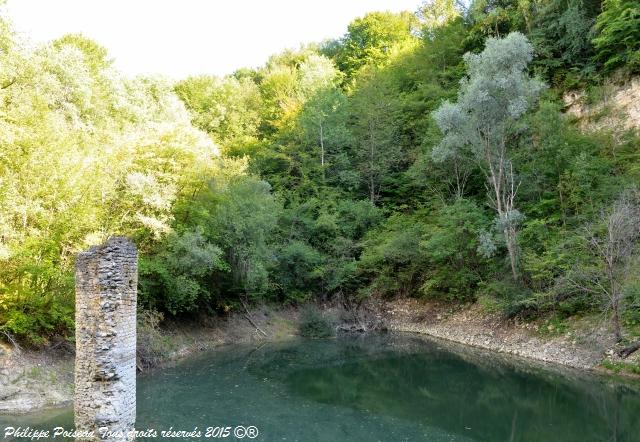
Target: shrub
x=152, y=344
x=33, y=318
x=313, y=324
x=507, y=297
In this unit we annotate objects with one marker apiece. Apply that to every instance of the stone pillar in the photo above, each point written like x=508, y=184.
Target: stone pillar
x=105, y=372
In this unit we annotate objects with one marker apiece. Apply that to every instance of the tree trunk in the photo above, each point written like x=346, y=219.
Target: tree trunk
x=617, y=329
x=512, y=248
x=322, y=150
x=501, y=178
x=321, y=146
x=628, y=351
x=372, y=190
x=372, y=184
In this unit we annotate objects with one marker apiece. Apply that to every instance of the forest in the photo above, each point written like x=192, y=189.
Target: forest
x=422, y=154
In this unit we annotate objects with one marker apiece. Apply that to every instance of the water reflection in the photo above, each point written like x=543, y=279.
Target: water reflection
x=385, y=388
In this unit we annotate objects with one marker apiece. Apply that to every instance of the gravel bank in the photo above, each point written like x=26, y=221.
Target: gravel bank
x=31, y=380
x=34, y=380
x=582, y=348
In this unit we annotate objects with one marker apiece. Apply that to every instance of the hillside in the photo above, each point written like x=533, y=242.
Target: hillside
x=485, y=155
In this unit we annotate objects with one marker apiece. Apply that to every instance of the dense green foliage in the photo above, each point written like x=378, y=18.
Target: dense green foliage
x=314, y=325
x=618, y=40
x=360, y=167
x=86, y=154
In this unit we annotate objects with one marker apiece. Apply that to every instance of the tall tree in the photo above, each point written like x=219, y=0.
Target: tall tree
x=370, y=39
x=561, y=34
x=495, y=18
x=377, y=150
x=323, y=120
x=323, y=116
x=618, y=40
x=436, y=13
x=486, y=121
x=227, y=108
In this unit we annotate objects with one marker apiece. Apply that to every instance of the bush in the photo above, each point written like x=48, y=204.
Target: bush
x=632, y=311
x=508, y=298
x=451, y=244
x=392, y=257
x=153, y=345
x=313, y=324
x=33, y=318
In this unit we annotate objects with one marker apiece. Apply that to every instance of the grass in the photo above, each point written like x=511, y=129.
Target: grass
x=597, y=94
x=554, y=326
x=283, y=328
x=620, y=367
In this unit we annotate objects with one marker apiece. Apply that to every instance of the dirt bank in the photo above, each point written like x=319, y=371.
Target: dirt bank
x=582, y=343
x=31, y=380
x=36, y=379
x=617, y=107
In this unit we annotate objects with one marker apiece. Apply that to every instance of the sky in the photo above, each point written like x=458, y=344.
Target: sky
x=178, y=38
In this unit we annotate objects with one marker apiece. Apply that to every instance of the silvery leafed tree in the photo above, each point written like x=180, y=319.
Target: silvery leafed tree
x=485, y=122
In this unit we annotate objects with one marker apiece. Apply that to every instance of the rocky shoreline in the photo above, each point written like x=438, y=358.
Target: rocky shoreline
x=585, y=347
x=30, y=381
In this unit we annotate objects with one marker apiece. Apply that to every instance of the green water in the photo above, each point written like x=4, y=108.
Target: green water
x=380, y=388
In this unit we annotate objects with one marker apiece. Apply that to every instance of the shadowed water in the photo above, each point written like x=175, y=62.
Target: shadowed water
x=378, y=388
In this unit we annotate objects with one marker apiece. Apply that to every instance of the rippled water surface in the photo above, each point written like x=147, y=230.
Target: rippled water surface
x=378, y=388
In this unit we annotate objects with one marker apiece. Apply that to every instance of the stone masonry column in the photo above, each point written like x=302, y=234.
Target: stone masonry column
x=105, y=371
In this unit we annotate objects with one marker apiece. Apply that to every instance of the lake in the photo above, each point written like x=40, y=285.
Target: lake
x=374, y=388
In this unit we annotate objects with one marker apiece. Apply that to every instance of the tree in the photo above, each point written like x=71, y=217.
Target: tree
x=370, y=39
x=392, y=258
x=178, y=278
x=323, y=116
x=323, y=120
x=452, y=244
x=96, y=56
x=613, y=242
x=85, y=154
x=287, y=81
x=618, y=40
x=242, y=224
x=377, y=147
x=495, y=18
x=562, y=33
x=227, y=108
x=486, y=121
x=436, y=13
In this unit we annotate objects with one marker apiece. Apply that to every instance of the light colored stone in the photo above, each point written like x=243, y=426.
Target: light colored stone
x=105, y=371
x=621, y=104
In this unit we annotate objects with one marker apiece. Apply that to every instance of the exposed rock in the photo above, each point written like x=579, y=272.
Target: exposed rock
x=8, y=393
x=476, y=328
x=618, y=111
x=25, y=387
x=45, y=378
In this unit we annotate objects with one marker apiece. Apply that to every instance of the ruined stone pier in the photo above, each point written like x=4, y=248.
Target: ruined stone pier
x=105, y=371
